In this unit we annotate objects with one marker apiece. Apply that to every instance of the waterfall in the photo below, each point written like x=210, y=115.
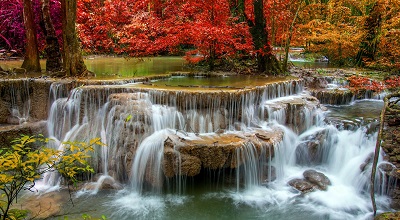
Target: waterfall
x=18, y=96
x=140, y=126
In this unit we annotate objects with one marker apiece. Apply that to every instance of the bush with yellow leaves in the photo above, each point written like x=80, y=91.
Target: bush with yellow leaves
x=28, y=159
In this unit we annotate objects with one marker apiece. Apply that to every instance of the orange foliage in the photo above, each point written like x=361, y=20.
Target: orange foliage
x=331, y=29
x=389, y=45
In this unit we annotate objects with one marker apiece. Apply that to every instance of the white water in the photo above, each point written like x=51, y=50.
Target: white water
x=339, y=157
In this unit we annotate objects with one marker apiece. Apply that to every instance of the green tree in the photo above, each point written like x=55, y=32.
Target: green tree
x=27, y=159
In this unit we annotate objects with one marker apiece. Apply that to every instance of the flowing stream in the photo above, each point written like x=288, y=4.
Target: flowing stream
x=135, y=122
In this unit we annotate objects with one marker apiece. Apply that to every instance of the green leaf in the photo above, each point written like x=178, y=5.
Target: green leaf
x=128, y=118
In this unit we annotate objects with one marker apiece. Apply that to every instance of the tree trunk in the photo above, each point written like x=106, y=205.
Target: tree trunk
x=237, y=10
x=376, y=154
x=53, y=62
x=31, y=60
x=266, y=61
x=72, y=57
x=288, y=39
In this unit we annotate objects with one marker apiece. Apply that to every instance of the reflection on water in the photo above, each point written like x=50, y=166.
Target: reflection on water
x=105, y=67
x=366, y=109
x=232, y=81
x=312, y=65
x=130, y=67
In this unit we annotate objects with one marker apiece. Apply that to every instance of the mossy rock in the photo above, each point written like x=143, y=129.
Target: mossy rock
x=388, y=216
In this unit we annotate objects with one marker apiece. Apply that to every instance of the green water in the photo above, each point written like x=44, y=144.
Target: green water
x=106, y=67
x=218, y=82
x=131, y=67
x=120, y=67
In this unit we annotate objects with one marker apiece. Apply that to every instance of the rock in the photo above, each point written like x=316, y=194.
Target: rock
x=366, y=162
x=3, y=73
x=317, y=178
x=269, y=175
x=388, y=216
x=176, y=163
x=302, y=185
x=386, y=167
x=19, y=70
x=317, y=83
x=296, y=112
x=310, y=151
x=103, y=182
x=394, y=122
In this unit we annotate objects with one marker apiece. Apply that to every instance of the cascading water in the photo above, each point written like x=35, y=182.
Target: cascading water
x=136, y=123
x=19, y=101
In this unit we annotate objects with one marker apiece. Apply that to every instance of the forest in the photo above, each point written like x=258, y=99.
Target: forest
x=362, y=33
x=246, y=135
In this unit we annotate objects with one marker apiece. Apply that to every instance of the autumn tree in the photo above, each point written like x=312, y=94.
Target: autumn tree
x=389, y=44
x=72, y=56
x=372, y=32
x=31, y=59
x=380, y=44
x=332, y=29
x=266, y=61
x=289, y=36
x=12, y=30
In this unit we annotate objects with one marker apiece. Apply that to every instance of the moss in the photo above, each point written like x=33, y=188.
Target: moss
x=388, y=216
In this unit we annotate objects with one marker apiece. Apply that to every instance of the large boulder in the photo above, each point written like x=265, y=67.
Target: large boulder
x=317, y=178
x=313, y=180
x=302, y=185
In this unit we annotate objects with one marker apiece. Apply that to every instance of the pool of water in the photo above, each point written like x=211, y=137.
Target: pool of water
x=360, y=111
x=106, y=67
x=131, y=67
x=214, y=82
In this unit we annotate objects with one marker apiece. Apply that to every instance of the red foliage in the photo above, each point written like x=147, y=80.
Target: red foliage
x=142, y=28
x=152, y=27
x=12, y=30
x=393, y=82
x=364, y=83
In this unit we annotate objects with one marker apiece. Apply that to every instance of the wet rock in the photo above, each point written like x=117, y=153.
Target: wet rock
x=386, y=167
x=373, y=127
x=9, y=133
x=19, y=71
x=333, y=97
x=311, y=149
x=306, y=153
x=367, y=162
x=317, y=178
x=302, y=185
x=316, y=82
x=103, y=182
x=269, y=174
x=388, y=216
x=176, y=163
x=187, y=154
x=297, y=112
